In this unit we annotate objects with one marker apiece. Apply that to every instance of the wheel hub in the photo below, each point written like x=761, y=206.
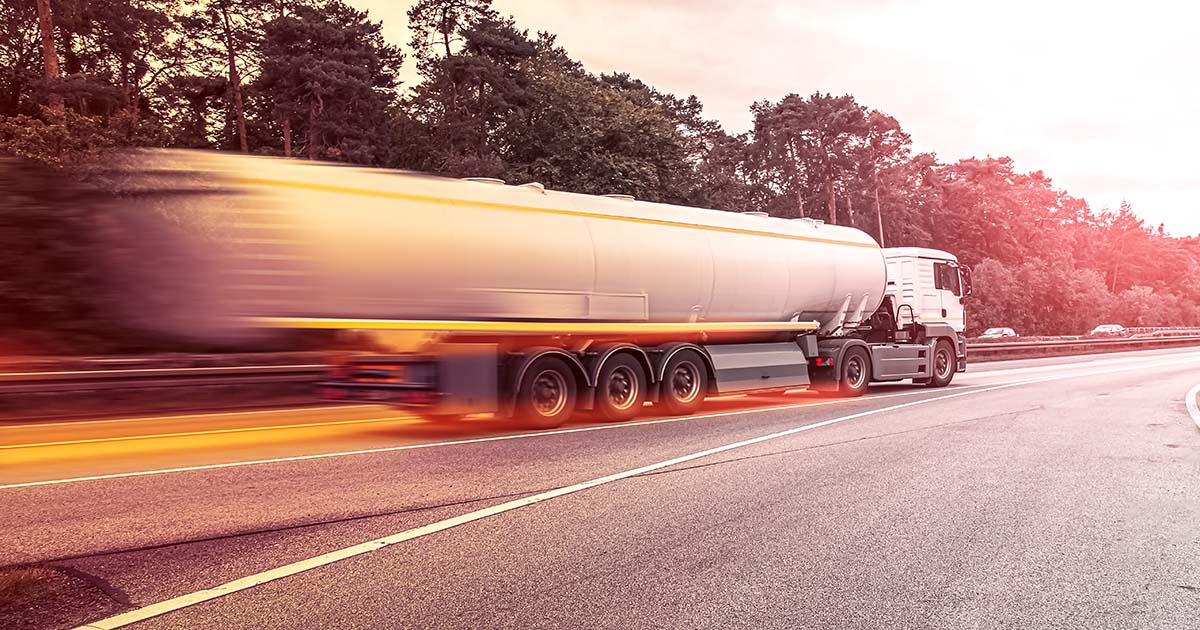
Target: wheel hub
x=622, y=388
x=549, y=393
x=685, y=382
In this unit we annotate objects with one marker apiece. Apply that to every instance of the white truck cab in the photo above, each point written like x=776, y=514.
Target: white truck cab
x=930, y=282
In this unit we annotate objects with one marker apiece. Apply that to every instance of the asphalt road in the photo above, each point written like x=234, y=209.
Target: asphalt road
x=1053, y=493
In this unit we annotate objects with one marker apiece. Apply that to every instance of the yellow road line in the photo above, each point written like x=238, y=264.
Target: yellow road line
x=492, y=205
x=125, y=438
x=215, y=414
x=225, y=368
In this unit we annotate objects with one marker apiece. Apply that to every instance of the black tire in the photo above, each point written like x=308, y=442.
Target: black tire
x=944, y=364
x=620, y=389
x=855, y=373
x=546, y=397
x=684, y=383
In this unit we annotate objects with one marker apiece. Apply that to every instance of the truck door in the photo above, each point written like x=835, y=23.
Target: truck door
x=950, y=294
x=931, y=297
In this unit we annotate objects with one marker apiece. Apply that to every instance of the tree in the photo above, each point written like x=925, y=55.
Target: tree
x=439, y=22
x=810, y=145
x=327, y=70
x=226, y=40
x=886, y=147
x=594, y=135
x=20, y=52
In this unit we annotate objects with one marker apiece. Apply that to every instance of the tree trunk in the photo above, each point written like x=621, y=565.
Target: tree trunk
x=849, y=209
x=878, y=212
x=313, y=150
x=287, y=137
x=482, y=121
x=49, y=54
x=831, y=200
x=201, y=120
x=235, y=83
x=800, y=201
x=74, y=65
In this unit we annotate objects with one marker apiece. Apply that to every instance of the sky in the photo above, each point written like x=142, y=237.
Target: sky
x=1101, y=96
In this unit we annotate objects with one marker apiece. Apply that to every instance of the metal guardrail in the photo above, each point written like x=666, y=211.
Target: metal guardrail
x=150, y=378
x=1032, y=349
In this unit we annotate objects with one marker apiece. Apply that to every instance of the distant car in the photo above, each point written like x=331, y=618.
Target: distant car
x=1108, y=330
x=998, y=333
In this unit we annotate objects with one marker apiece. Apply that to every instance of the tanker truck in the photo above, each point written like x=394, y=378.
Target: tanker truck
x=536, y=304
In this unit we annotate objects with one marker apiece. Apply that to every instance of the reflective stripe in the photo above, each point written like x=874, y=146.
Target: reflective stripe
x=548, y=328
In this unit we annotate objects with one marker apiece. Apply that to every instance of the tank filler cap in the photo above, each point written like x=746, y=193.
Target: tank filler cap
x=485, y=180
x=756, y=214
x=534, y=186
x=620, y=197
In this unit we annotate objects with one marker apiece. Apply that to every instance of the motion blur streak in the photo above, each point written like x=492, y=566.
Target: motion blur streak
x=282, y=445
x=192, y=433
x=265, y=437
x=216, y=414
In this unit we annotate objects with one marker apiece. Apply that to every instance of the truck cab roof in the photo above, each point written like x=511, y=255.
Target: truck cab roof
x=918, y=252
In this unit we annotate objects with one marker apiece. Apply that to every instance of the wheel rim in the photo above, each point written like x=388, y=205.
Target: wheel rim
x=856, y=371
x=622, y=388
x=549, y=393
x=942, y=364
x=685, y=382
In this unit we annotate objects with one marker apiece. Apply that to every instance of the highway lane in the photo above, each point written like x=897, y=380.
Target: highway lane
x=63, y=449
x=898, y=516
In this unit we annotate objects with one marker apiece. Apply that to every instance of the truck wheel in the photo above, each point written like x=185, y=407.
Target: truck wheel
x=684, y=384
x=620, y=389
x=855, y=374
x=944, y=364
x=546, y=397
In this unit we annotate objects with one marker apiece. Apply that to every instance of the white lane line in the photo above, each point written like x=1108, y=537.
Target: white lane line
x=248, y=412
x=1193, y=404
x=250, y=581
x=126, y=438
x=408, y=447
x=517, y=436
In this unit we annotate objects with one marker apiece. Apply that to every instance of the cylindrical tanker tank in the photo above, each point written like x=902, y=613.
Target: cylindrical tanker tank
x=269, y=237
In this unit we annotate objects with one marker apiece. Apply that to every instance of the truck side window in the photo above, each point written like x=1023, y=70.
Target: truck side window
x=946, y=277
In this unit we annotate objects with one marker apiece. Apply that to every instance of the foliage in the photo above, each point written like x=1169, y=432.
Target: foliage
x=316, y=78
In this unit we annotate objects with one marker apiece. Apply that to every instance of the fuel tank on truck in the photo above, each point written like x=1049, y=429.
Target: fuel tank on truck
x=222, y=236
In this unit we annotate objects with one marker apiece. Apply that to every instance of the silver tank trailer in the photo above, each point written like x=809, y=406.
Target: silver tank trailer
x=269, y=237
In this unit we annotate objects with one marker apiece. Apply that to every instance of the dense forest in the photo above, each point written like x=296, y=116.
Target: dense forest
x=316, y=79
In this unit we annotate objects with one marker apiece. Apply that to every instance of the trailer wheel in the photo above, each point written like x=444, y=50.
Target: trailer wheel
x=855, y=373
x=620, y=389
x=546, y=397
x=684, y=383
x=944, y=362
